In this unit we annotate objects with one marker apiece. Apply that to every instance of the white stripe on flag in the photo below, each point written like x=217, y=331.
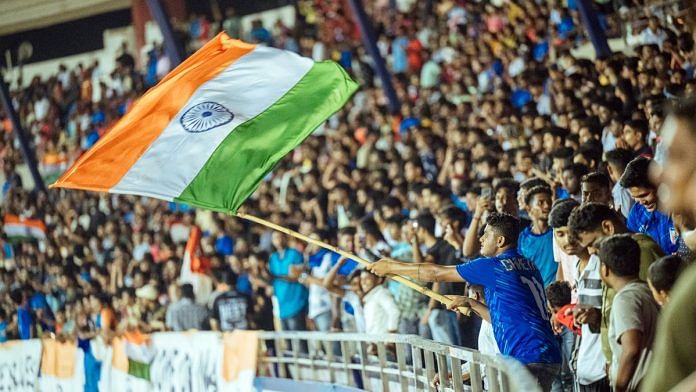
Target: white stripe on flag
x=247, y=88
x=22, y=230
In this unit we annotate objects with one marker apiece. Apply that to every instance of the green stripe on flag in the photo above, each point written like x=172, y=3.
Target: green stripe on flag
x=139, y=369
x=242, y=160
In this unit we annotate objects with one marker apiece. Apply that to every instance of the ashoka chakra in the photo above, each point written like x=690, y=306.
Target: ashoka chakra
x=205, y=116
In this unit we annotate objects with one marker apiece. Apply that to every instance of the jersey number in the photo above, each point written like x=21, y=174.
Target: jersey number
x=538, y=292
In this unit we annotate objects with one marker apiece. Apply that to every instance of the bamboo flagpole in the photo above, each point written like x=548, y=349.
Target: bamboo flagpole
x=423, y=290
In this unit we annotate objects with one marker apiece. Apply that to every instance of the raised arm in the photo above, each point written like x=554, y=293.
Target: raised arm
x=329, y=282
x=471, y=245
x=425, y=272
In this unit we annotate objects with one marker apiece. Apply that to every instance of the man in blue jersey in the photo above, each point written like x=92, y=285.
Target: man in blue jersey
x=514, y=292
x=644, y=216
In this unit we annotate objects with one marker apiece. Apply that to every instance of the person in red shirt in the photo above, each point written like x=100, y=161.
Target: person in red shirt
x=558, y=301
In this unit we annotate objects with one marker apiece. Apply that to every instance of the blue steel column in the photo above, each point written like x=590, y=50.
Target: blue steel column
x=594, y=30
x=370, y=42
x=27, y=152
x=172, y=48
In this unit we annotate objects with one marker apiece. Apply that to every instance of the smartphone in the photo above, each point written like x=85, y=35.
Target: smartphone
x=414, y=224
x=486, y=193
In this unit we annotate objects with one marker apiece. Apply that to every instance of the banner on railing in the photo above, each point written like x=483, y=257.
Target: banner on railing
x=62, y=366
x=195, y=361
x=19, y=365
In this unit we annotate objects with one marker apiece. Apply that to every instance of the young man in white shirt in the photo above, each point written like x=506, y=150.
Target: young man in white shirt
x=380, y=310
x=319, y=299
x=352, y=316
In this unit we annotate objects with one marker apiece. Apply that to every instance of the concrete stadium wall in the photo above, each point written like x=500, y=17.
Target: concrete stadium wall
x=20, y=15
x=113, y=39
x=112, y=44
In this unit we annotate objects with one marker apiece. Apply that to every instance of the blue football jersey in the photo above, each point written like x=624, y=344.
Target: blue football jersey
x=515, y=296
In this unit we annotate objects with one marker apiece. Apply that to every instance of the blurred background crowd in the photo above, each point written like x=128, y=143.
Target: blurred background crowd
x=497, y=115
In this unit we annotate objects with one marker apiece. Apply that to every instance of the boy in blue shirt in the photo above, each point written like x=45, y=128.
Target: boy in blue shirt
x=513, y=290
x=536, y=240
x=644, y=216
x=292, y=296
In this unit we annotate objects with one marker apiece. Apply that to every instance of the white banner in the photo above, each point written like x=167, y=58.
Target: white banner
x=194, y=360
x=201, y=361
x=19, y=365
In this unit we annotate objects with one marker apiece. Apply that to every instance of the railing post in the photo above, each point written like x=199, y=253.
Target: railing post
x=417, y=364
x=329, y=347
x=382, y=355
x=282, y=370
x=363, y=362
x=346, y=356
x=294, y=345
x=401, y=360
x=457, y=375
x=429, y=369
x=442, y=369
x=475, y=374
x=493, y=381
x=312, y=352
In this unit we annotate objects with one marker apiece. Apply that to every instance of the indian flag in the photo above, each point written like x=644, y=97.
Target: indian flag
x=210, y=131
x=132, y=356
x=19, y=228
x=195, y=268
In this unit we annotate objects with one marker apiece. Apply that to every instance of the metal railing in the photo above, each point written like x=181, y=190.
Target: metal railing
x=386, y=363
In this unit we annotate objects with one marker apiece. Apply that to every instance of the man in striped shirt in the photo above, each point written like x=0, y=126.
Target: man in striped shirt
x=186, y=314
x=588, y=361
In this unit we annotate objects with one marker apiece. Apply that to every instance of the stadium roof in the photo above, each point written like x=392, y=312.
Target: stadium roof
x=21, y=15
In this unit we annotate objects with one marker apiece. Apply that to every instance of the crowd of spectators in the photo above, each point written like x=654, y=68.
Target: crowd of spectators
x=499, y=123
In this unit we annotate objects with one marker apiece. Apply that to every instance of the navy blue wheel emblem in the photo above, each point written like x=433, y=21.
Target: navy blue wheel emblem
x=204, y=116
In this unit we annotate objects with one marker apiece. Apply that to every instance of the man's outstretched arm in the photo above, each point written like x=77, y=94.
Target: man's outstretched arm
x=425, y=272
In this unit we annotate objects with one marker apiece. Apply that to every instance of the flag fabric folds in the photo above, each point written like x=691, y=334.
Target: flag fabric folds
x=62, y=366
x=211, y=130
x=195, y=267
x=132, y=356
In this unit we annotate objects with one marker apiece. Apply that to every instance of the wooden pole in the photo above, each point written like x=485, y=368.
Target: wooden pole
x=423, y=290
